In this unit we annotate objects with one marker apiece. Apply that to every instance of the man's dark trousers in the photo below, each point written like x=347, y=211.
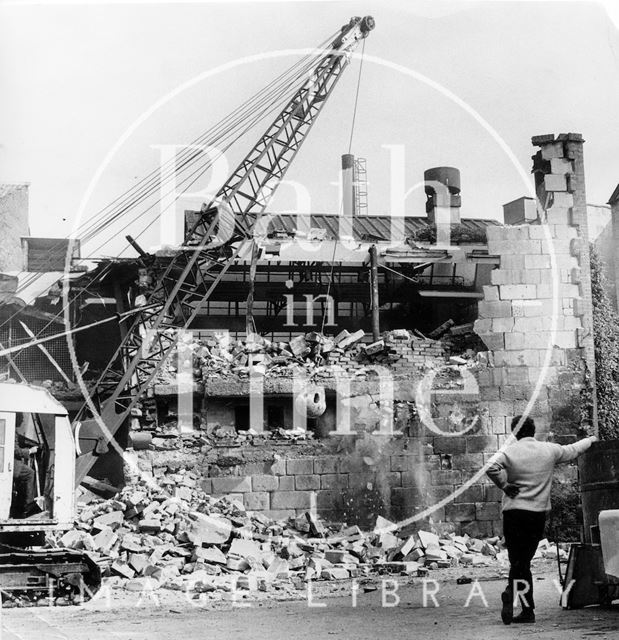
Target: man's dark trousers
x=24, y=481
x=522, y=530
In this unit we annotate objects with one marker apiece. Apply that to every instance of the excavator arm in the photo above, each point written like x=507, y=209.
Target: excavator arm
x=211, y=245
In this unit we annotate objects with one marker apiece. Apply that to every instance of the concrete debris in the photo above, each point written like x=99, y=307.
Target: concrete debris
x=154, y=536
x=207, y=529
x=384, y=525
x=217, y=366
x=374, y=348
x=442, y=329
x=428, y=539
x=142, y=584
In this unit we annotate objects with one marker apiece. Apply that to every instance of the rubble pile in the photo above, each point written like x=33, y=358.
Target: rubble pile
x=175, y=536
x=165, y=437
x=216, y=356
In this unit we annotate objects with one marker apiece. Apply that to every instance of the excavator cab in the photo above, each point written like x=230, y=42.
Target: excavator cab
x=37, y=463
x=37, y=472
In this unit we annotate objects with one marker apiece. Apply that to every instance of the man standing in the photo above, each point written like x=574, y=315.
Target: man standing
x=23, y=481
x=24, y=477
x=524, y=472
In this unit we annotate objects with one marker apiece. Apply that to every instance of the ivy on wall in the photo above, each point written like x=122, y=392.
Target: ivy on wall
x=565, y=520
x=606, y=340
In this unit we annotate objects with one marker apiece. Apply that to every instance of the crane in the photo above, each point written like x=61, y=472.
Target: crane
x=190, y=277
x=183, y=286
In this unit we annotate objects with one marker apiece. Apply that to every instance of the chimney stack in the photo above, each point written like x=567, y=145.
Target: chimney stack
x=442, y=187
x=14, y=218
x=348, y=184
x=520, y=211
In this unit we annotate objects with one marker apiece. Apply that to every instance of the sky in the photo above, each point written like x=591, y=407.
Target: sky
x=464, y=84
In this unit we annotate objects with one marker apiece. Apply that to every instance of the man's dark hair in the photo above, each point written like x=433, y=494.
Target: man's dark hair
x=527, y=429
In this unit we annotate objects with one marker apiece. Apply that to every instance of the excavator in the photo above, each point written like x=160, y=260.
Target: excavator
x=34, y=422
x=59, y=454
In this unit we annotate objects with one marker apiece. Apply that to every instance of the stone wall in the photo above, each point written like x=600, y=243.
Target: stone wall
x=353, y=480
x=536, y=314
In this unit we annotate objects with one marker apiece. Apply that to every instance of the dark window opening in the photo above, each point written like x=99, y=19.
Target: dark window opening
x=241, y=417
x=275, y=417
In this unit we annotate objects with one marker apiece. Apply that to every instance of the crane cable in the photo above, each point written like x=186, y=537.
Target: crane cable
x=221, y=132
x=224, y=131
x=201, y=170
x=267, y=99
x=149, y=184
x=117, y=316
x=354, y=112
x=239, y=113
x=248, y=126
x=352, y=129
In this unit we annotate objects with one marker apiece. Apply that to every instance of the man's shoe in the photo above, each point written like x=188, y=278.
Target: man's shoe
x=507, y=610
x=525, y=616
x=31, y=510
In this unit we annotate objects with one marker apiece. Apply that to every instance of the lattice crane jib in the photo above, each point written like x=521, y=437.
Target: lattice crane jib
x=215, y=238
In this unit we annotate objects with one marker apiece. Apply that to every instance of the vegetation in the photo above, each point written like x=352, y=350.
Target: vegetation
x=565, y=520
x=606, y=340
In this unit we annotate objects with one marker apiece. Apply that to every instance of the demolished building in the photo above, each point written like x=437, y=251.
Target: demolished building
x=429, y=463
x=337, y=336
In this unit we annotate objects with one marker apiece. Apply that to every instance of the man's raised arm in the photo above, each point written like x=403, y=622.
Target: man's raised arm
x=567, y=452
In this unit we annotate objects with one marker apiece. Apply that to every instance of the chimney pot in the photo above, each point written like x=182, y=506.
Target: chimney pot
x=442, y=187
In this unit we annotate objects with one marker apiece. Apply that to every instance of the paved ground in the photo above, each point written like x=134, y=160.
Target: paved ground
x=172, y=618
